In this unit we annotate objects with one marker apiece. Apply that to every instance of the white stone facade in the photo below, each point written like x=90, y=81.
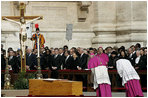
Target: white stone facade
x=102, y=23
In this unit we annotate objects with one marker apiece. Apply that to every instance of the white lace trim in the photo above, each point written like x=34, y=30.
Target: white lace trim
x=101, y=76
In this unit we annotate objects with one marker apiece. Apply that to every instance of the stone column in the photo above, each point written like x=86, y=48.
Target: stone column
x=123, y=28
x=104, y=24
x=139, y=22
x=131, y=23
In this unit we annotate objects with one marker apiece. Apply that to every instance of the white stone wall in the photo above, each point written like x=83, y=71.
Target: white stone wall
x=131, y=23
x=120, y=23
x=107, y=23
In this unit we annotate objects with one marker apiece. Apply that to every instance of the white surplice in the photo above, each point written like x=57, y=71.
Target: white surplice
x=101, y=76
x=126, y=70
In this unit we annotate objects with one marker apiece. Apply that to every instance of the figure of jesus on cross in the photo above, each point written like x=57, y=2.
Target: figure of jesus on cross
x=21, y=21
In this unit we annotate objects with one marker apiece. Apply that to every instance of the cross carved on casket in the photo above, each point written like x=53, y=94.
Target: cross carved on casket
x=21, y=20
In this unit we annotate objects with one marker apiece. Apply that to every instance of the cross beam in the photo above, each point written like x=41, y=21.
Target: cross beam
x=18, y=17
x=22, y=16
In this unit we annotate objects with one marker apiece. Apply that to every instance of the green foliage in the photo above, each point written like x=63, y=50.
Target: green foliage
x=23, y=80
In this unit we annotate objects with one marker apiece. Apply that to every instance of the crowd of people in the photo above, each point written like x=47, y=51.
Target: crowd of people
x=74, y=58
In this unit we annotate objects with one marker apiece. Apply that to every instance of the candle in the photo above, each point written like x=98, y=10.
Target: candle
x=32, y=45
x=6, y=46
x=38, y=46
x=24, y=49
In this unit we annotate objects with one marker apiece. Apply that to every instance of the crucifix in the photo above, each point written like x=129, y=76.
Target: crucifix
x=21, y=21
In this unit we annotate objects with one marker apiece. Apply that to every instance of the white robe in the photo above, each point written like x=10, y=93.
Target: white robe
x=126, y=70
x=101, y=76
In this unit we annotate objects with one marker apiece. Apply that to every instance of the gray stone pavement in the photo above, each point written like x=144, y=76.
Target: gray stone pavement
x=114, y=94
x=14, y=93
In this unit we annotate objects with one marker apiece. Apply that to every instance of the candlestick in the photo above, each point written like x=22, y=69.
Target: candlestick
x=32, y=45
x=7, y=84
x=6, y=47
x=39, y=74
